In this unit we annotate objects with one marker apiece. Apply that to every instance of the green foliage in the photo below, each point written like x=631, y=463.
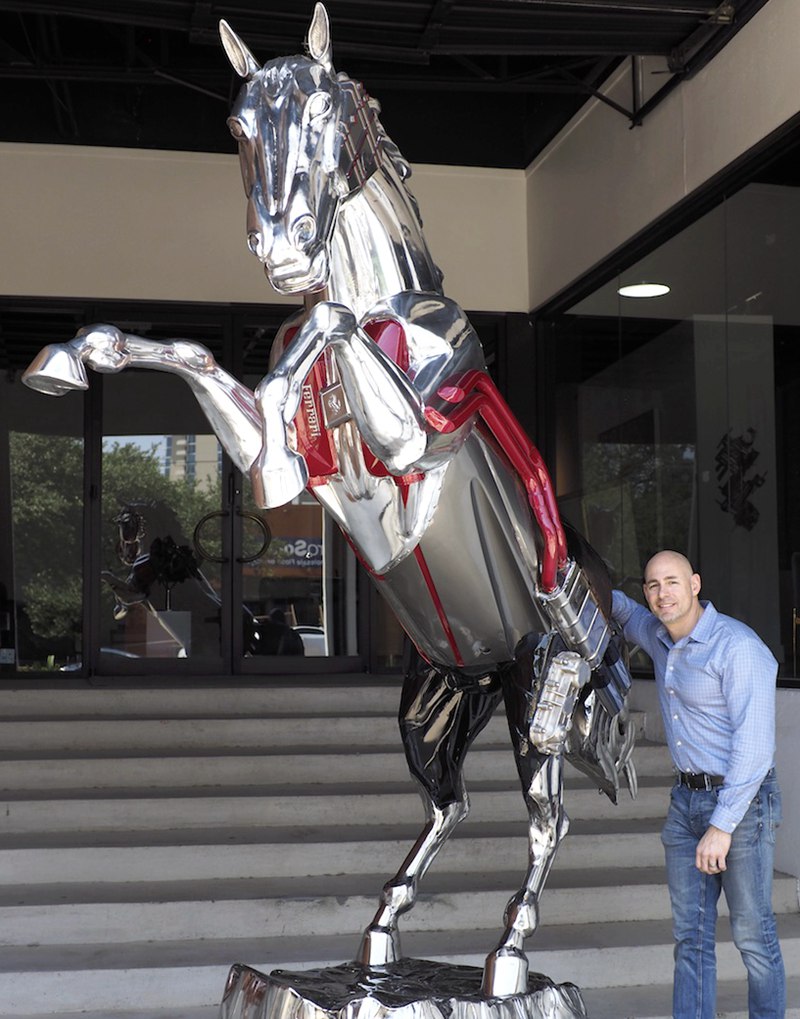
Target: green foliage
x=47, y=520
x=646, y=493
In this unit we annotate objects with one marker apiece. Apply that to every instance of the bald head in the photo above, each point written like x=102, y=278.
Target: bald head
x=671, y=589
x=667, y=559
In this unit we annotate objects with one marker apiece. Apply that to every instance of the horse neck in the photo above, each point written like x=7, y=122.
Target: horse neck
x=378, y=248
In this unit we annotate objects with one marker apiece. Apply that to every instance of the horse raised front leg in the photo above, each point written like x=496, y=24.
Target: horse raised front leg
x=438, y=722
x=540, y=693
x=387, y=409
x=229, y=406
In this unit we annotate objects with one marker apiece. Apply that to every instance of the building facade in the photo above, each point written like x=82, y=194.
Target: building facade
x=666, y=422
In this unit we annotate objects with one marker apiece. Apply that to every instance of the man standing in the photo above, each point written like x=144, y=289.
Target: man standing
x=716, y=688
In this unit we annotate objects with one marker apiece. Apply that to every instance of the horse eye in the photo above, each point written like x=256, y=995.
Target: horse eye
x=236, y=127
x=319, y=104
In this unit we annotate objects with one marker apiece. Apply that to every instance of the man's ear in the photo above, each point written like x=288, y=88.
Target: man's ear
x=696, y=585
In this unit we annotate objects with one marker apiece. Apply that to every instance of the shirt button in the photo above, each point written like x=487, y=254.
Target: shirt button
x=675, y=717
x=679, y=743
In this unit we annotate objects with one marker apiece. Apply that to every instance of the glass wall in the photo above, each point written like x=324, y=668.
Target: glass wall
x=674, y=416
x=130, y=544
x=41, y=593
x=160, y=476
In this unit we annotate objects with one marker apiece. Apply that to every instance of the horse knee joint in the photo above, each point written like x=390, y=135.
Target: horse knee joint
x=522, y=914
x=194, y=355
x=400, y=896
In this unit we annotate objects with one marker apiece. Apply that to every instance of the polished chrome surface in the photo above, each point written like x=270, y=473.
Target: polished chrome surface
x=377, y=399
x=576, y=615
x=410, y=989
x=566, y=676
x=228, y=405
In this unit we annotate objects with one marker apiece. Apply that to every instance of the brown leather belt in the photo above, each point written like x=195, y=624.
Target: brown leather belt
x=701, y=781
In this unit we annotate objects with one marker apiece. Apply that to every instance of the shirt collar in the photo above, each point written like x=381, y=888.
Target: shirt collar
x=701, y=634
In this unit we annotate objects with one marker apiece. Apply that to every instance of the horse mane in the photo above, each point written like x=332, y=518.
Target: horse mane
x=389, y=150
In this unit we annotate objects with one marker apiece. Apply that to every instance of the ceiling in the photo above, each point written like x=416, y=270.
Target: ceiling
x=467, y=82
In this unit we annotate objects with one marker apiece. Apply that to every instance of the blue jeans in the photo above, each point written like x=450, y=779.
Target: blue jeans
x=747, y=884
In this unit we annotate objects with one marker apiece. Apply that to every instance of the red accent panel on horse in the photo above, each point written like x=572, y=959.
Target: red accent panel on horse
x=313, y=441
x=453, y=394
x=485, y=399
x=438, y=421
x=437, y=604
x=391, y=338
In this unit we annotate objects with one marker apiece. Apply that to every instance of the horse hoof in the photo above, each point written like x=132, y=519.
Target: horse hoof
x=275, y=486
x=55, y=371
x=505, y=973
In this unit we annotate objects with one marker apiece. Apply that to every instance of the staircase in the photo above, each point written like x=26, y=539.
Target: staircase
x=151, y=837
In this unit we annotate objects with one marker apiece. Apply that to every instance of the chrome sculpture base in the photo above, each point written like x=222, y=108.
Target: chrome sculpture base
x=407, y=989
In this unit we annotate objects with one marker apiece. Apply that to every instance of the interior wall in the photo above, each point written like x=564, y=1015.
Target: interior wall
x=600, y=182
x=92, y=222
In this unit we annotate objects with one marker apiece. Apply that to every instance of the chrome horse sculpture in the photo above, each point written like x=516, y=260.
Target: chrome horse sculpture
x=377, y=400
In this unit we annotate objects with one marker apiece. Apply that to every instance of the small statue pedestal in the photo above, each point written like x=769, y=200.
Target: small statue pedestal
x=408, y=989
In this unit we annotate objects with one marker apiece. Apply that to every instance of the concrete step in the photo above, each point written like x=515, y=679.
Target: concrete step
x=179, y=911
x=69, y=773
x=654, y=1001
x=223, y=725
x=286, y=858
x=53, y=981
x=138, y=810
x=342, y=695
x=269, y=835
x=170, y=736
x=642, y=1002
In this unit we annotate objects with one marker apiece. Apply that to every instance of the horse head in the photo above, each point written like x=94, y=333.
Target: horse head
x=307, y=139
x=131, y=531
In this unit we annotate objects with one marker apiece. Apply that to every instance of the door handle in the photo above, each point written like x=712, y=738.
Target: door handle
x=266, y=533
x=203, y=552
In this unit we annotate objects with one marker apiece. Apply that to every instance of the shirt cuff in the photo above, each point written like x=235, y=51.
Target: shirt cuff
x=724, y=819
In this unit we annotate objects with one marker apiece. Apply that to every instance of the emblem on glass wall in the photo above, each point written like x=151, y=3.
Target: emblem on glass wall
x=734, y=459
x=378, y=401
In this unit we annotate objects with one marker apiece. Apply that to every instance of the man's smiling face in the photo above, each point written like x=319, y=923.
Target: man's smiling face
x=671, y=590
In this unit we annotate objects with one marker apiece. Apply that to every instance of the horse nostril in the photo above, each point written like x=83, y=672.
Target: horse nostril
x=253, y=242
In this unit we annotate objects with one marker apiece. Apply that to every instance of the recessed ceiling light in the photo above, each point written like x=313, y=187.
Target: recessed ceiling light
x=643, y=290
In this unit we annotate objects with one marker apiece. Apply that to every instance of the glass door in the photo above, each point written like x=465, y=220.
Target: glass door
x=164, y=512
x=192, y=575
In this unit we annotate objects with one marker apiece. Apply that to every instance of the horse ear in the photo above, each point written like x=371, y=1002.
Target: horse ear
x=242, y=60
x=319, y=38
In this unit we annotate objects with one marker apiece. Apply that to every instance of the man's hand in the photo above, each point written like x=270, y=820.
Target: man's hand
x=712, y=851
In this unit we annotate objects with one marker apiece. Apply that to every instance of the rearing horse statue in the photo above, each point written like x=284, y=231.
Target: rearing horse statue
x=378, y=402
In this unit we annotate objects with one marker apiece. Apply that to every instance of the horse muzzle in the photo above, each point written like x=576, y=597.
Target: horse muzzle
x=299, y=275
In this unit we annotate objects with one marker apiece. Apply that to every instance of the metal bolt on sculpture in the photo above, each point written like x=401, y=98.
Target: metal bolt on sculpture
x=377, y=400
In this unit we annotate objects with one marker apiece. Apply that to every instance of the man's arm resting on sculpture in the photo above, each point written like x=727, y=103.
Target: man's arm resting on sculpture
x=638, y=623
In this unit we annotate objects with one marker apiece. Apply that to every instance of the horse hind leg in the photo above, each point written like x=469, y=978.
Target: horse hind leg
x=438, y=722
x=539, y=715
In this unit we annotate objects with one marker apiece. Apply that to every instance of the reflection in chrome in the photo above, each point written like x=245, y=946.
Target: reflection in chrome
x=161, y=560
x=413, y=989
x=417, y=458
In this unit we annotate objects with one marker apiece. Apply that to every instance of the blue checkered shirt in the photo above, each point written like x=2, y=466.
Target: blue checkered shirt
x=716, y=688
